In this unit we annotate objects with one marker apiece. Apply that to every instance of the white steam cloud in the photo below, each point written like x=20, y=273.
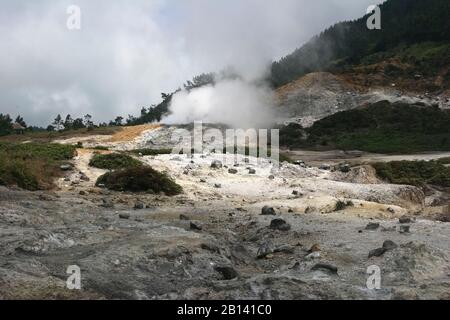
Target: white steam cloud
x=236, y=103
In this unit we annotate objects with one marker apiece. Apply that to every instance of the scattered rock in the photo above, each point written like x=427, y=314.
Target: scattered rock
x=84, y=177
x=139, y=206
x=82, y=193
x=372, y=226
x=107, y=203
x=44, y=197
x=310, y=209
x=202, y=181
x=271, y=177
x=326, y=267
x=217, y=186
x=232, y=171
x=405, y=229
x=227, y=272
x=280, y=224
x=124, y=215
x=65, y=167
x=391, y=210
x=216, y=164
x=404, y=220
x=389, y=245
x=377, y=252
x=196, y=226
x=315, y=248
x=251, y=171
x=326, y=167
x=268, y=211
x=264, y=250
x=312, y=256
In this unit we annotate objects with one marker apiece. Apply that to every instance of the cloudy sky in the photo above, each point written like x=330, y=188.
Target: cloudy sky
x=128, y=52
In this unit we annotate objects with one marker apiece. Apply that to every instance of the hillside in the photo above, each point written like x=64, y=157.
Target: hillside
x=416, y=33
x=382, y=127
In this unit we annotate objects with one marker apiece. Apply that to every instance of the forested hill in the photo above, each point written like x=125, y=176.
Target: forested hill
x=405, y=24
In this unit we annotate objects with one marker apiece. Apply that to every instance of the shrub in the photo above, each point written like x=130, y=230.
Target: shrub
x=101, y=148
x=416, y=173
x=342, y=205
x=113, y=161
x=139, y=179
x=152, y=152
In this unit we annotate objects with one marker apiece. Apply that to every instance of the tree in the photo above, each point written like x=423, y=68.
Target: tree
x=118, y=121
x=88, y=121
x=78, y=124
x=58, y=124
x=68, y=124
x=5, y=124
x=20, y=121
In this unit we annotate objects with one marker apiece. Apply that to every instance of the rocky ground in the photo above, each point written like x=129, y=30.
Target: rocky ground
x=246, y=230
x=321, y=94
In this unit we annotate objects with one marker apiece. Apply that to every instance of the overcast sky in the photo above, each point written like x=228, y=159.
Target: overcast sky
x=128, y=52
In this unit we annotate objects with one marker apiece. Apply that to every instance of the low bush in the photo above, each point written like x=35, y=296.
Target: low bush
x=416, y=173
x=342, y=205
x=139, y=179
x=113, y=161
x=152, y=152
x=101, y=148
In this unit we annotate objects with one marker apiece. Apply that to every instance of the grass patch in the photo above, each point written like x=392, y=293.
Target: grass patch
x=32, y=166
x=416, y=173
x=151, y=152
x=139, y=179
x=48, y=136
x=113, y=161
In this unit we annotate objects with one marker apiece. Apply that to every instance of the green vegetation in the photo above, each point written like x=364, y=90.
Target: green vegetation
x=444, y=161
x=139, y=179
x=102, y=148
x=151, y=152
x=342, y=205
x=417, y=32
x=416, y=173
x=32, y=166
x=382, y=127
x=113, y=161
